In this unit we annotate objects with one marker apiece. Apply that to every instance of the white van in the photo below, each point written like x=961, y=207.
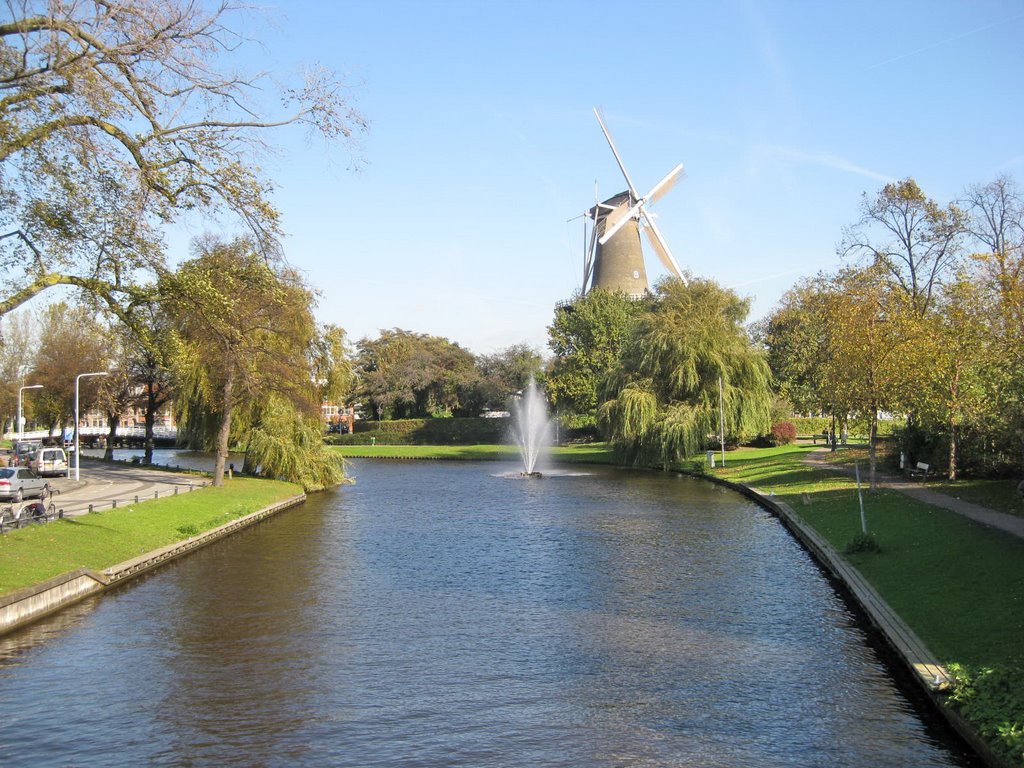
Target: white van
x=49, y=461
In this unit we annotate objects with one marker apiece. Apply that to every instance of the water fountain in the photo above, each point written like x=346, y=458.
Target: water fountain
x=531, y=428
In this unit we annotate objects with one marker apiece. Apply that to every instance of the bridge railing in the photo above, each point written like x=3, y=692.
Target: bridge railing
x=161, y=433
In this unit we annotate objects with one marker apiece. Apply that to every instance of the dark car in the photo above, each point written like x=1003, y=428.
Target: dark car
x=17, y=483
x=23, y=450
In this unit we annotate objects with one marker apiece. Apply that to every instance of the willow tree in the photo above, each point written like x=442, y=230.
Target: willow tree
x=661, y=402
x=246, y=338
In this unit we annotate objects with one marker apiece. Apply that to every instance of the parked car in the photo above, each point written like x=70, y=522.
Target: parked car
x=17, y=483
x=47, y=462
x=23, y=450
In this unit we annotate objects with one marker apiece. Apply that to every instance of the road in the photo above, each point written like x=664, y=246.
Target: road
x=101, y=484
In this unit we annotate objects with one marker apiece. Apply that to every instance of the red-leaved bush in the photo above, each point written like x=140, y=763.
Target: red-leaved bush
x=784, y=432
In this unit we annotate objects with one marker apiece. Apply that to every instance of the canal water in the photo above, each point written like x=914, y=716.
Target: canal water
x=452, y=614
x=170, y=457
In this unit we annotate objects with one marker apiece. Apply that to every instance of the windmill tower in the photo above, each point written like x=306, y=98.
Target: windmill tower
x=614, y=257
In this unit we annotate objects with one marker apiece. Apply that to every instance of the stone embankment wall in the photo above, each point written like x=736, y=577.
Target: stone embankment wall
x=908, y=648
x=32, y=603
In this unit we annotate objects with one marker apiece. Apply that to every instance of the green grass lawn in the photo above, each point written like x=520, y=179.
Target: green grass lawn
x=1000, y=494
x=591, y=453
x=958, y=584
x=102, y=539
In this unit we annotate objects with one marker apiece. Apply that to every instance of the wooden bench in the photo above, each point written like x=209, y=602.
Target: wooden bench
x=825, y=438
x=920, y=472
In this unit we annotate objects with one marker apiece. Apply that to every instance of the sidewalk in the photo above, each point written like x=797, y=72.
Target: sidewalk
x=916, y=490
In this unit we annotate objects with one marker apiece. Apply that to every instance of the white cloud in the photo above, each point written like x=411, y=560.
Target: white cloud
x=826, y=160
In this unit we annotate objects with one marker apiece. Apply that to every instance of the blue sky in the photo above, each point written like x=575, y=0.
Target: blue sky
x=483, y=143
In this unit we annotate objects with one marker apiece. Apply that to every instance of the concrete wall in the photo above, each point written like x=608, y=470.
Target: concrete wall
x=28, y=605
x=33, y=603
x=933, y=679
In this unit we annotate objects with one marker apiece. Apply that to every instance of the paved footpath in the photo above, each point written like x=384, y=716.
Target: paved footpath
x=102, y=483
x=1008, y=523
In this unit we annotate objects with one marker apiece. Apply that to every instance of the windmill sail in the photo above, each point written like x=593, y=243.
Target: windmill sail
x=614, y=259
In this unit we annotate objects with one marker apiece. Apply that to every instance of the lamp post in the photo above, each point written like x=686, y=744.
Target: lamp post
x=721, y=417
x=78, y=378
x=21, y=426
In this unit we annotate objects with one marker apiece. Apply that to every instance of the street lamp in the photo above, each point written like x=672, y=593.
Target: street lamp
x=78, y=378
x=21, y=426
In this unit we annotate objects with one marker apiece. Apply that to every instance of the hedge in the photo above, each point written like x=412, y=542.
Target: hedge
x=460, y=431
x=815, y=425
x=456, y=431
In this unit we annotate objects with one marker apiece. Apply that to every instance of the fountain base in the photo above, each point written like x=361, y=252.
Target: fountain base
x=530, y=474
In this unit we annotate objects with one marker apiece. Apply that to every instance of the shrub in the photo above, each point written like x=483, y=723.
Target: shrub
x=784, y=432
x=991, y=700
x=863, y=543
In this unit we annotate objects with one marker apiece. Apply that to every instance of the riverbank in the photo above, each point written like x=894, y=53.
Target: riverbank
x=594, y=453
x=957, y=584
x=99, y=540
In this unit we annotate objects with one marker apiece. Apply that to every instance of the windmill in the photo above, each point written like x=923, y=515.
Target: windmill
x=614, y=258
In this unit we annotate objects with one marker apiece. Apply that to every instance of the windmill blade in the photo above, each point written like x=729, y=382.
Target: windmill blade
x=615, y=220
x=658, y=190
x=660, y=246
x=588, y=260
x=608, y=136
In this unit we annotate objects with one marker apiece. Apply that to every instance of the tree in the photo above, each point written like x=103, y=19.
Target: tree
x=586, y=337
x=151, y=347
x=909, y=237
x=287, y=443
x=661, y=400
x=116, y=392
x=16, y=345
x=245, y=332
x=953, y=366
x=997, y=225
x=118, y=116
x=413, y=375
x=333, y=368
x=507, y=372
x=865, y=323
x=72, y=341
x=996, y=221
x=147, y=349
x=796, y=340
